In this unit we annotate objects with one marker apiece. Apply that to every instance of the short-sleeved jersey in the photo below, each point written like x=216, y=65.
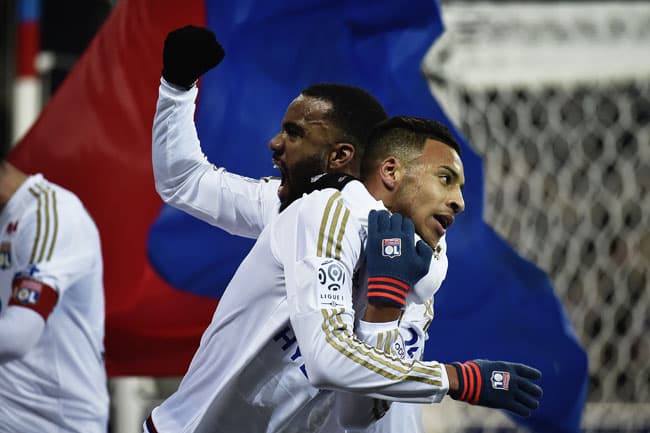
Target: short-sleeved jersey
x=282, y=337
x=47, y=236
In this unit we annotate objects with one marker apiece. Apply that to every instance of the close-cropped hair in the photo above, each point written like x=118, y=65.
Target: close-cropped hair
x=403, y=137
x=354, y=112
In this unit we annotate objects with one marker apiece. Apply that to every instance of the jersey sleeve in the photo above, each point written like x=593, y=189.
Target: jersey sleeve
x=320, y=253
x=186, y=180
x=56, y=244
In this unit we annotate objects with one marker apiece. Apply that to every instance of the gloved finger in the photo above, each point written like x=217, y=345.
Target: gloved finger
x=408, y=228
x=396, y=222
x=424, y=251
x=214, y=53
x=518, y=408
x=373, y=218
x=527, y=400
x=383, y=221
x=528, y=372
x=530, y=388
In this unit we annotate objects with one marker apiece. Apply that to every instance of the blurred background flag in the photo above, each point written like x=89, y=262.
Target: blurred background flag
x=165, y=270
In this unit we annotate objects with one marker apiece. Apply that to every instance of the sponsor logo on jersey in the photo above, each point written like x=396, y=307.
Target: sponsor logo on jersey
x=289, y=345
x=5, y=255
x=12, y=227
x=331, y=277
x=500, y=380
x=27, y=292
x=391, y=247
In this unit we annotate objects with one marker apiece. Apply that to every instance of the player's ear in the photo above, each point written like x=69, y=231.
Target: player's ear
x=390, y=172
x=341, y=155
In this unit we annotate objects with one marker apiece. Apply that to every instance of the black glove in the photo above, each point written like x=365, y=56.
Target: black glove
x=395, y=263
x=190, y=52
x=498, y=384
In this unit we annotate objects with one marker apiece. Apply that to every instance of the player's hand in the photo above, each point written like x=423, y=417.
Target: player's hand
x=190, y=52
x=498, y=384
x=395, y=263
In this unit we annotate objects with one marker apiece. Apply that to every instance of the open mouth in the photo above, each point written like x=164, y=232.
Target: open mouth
x=283, y=190
x=444, y=220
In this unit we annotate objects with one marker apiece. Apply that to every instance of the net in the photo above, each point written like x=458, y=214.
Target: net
x=556, y=99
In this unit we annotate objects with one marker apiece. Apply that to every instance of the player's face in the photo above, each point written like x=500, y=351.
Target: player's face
x=302, y=147
x=430, y=191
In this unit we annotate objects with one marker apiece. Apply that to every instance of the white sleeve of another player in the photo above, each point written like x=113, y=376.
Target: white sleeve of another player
x=320, y=250
x=358, y=412
x=404, y=340
x=186, y=180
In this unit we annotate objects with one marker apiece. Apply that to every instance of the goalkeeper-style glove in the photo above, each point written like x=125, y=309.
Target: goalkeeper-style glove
x=395, y=263
x=190, y=52
x=498, y=384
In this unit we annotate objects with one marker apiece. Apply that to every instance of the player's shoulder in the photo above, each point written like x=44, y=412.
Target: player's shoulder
x=321, y=200
x=53, y=203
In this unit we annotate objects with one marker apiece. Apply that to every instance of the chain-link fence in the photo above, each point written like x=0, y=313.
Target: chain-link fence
x=556, y=100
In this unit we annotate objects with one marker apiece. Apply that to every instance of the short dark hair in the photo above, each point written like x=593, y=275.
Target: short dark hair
x=404, y=137
x=354, y=111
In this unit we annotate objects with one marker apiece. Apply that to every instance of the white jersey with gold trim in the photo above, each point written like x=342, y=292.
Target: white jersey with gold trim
x=282, y=338
x=48, y=239
x=243, y=206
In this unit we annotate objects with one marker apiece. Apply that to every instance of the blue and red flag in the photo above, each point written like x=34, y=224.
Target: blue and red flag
x=165, y=270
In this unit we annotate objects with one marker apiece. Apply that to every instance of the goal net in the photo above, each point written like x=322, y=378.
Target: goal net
x=555, y=97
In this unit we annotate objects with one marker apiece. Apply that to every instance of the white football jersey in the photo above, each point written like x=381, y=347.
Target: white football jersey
x=243, y=206
x=282, y=336
x=48, y=239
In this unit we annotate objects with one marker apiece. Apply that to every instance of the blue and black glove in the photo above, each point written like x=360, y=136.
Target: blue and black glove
x=190, y=52
x=394, y=262
x=498, y=384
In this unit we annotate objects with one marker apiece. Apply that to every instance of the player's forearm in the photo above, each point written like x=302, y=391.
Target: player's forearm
x=176, y=151
x=336, y=359
x=186, y=180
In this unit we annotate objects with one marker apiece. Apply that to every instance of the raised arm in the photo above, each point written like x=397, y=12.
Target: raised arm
x=184, y=178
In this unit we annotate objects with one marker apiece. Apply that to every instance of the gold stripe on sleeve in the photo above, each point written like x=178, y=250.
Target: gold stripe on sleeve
x=46, y=207
x=323, y=223
x=339, y=238
x=380, y=340
x=335, y=220
x=55, y=214
x=339, y=336
x=38, y=224
x=353, y=342
x=388, y=343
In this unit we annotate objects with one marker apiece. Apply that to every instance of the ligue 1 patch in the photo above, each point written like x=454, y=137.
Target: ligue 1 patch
x=391, y=247
x=331, y=277
x=27, y=292
x=5, y=255
x=500, y=380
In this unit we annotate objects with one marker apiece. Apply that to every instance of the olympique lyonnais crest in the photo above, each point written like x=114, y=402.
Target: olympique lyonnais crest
x=27, y=292
x=391, y=247
x=500, y=380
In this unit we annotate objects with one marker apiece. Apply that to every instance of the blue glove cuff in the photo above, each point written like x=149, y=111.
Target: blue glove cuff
x=387, y=290
x=469, y=382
